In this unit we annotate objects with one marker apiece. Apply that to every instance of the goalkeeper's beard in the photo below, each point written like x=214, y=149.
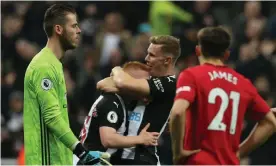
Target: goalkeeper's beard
x=65, y=42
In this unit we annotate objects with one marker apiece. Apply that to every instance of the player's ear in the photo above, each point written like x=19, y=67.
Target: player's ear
x=226, y=54
x=168, y=60
x=58, y=29
x=198, y=50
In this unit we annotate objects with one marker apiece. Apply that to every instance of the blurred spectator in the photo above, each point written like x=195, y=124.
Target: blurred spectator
x=202, y=13
x=202, y=16
x=11, y=28
x=139, y=47
x=163, y=14
x=89, y=25
x=11, y=135
x=268, y=49
x=21, y=8
x=112, y=34
x=33, y=23
x=15, y=122
x=7, y=82
x=254, y=29
x=7, y=144
x=262, y=84
x=248, y=52
x=245, y=24
x=271, y=25
x=89, y=76
x=115, y=59
x=25, y=50
x=252, y=10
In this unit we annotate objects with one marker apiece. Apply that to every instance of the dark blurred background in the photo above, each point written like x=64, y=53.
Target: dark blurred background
x=116, y=32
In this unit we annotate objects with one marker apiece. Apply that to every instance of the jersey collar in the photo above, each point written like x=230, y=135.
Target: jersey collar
x=52, y=56
x=209, y=64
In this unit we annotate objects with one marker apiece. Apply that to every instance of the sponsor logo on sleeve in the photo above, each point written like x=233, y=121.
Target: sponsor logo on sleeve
x=183, y=89
x=46, y=84
x=158, y=84
x=112, y=117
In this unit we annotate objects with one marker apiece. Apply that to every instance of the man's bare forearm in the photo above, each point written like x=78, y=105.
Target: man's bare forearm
x=129, y=85
x=118, y=141
x=107, y=85
x=118, y=77
x=177, y=126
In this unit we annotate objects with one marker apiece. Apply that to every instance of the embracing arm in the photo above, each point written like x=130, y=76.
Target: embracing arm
x=127, y=83
x=111, y=139
x=108, y=85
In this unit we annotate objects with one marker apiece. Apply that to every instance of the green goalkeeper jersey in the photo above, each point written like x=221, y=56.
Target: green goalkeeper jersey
x=47, y=134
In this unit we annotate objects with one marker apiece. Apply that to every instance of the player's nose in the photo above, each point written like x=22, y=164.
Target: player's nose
x=78, y=30
x=147, y=58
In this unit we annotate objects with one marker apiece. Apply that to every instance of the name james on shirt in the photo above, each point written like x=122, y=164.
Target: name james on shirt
x=223, y=75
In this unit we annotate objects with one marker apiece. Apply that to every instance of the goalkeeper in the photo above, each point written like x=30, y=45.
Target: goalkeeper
x=48, y=138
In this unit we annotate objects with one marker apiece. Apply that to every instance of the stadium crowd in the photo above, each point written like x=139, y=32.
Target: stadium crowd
x=116, y=32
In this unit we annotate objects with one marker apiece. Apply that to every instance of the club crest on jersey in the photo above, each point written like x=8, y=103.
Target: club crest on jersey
x=112, y=117
x=95, y=114
x=46, y=84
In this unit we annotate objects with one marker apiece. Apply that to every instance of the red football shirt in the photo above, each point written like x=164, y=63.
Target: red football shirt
x=219, y=98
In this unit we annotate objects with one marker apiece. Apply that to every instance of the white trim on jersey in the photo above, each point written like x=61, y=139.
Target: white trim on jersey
x=88, y=119
x=134, y=125
x=129, y=153
x=161, y=131
x=87, y=122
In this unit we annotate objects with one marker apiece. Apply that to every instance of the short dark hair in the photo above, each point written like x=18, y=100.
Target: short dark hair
x=214, y=41
x=169, y=44
x=54, y=15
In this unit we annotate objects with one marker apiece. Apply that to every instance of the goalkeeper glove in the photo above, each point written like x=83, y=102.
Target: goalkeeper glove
x=89, y=157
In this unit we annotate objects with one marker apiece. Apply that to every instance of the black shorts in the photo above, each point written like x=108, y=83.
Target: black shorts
x=139, y=160
x=131, y=162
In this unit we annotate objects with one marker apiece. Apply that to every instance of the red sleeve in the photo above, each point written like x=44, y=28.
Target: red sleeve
x=185, y=88
x=259, y=107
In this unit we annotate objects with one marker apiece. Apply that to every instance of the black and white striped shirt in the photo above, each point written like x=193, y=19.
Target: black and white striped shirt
x=156, y=112
x=108, y=110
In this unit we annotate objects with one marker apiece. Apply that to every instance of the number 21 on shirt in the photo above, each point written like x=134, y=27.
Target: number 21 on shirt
x=217, y=123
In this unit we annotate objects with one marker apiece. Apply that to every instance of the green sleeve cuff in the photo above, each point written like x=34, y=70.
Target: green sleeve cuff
x=63, y=132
